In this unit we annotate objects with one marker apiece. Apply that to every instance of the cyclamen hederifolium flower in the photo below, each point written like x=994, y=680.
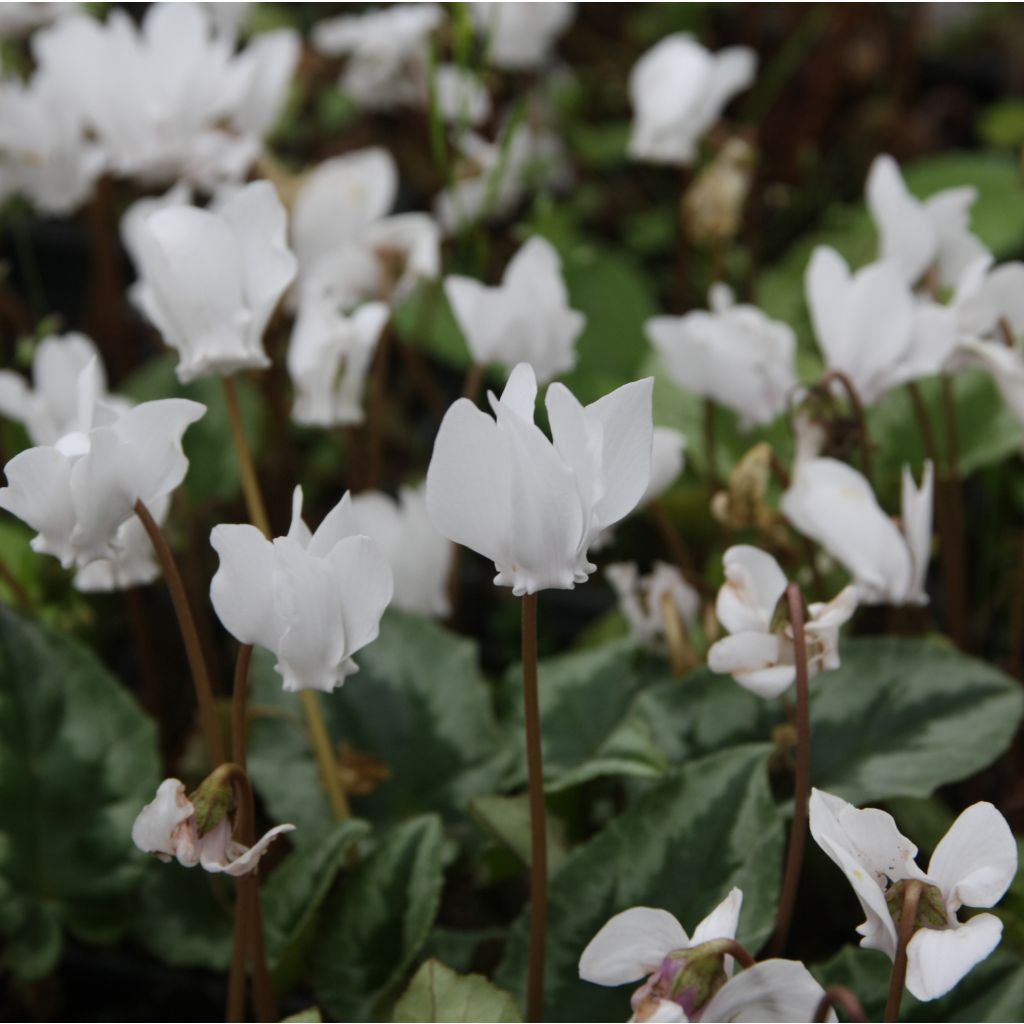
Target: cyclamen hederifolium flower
x=312, y=599
x=210, y=279
x=525, y=319
x=733, y=354
x=642, y=599
x=170, y=99
x=871, y=327
x=80, y=491
x=518, y=36
x=678, y=90
x=691, y=978
x=972, y=866
x=759, y=654
x=533, y=507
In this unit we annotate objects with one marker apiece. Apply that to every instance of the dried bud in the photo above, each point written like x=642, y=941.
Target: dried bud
x=712, y=207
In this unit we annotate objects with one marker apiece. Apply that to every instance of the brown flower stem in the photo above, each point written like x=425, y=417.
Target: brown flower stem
x=240, y=705
x=1006, y=332
x=186, y=623
x=710, y=444
x=474, y=382
x=858, y=411
x=323, y=751
x=538, y=819
x=730, y=947
x=250, y=482
x=908, y=918
x=802, y=786
x=839, y=997
x=240, y=945
x=263, y=988
x=676, y=546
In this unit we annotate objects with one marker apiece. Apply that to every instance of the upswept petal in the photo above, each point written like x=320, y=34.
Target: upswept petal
x=754, y=583
x=917, y=528
x=773, y=990
x=482, y=322
x=827, y=282
x=722, y=922
x=336, y=526
x=520, y=392
x=365, y=586
x=631, y=945
x=937, y=960
x=906, y=232
x=242, y=588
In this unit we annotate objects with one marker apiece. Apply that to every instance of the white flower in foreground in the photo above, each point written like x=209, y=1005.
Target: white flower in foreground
x=78, y=492
x=132, y=562
x=759, y=653
x=691, y=978
x=313, y=599
x=733, y=354
x=533, y=507
x=972, y=866
x=922, y=234
x=678, y=90
x=834, y=505
x=525, y=319
x=518, y=36
x=870, y=326
x=168, y=827
x=420, y=558
x=642, y=599
x=211, y=279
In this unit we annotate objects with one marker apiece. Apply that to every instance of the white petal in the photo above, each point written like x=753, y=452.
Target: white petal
x=38, y=492
x=745, y=652
x=917, y=527
x=773, y=990
x=631, y=945
x=906, y=231
x=520, y=394
x=938, y=960
x=721, y=922
x=754, y=583
x=338, y=524
x=212, y=853
x=242, y=589
x=365, y=587
x=153, y=828
x=668, y=448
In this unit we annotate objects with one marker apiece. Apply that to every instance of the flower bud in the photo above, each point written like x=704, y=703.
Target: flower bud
x=931, y=907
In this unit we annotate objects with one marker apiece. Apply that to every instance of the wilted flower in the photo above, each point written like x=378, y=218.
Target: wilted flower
x=211, y=279
x=171, y=827
x=922, y=235
x=713, y=204
x=420, y=558
x=760, y=654
x=518, y=36
x=312, y=599
x=973, y=866
x=679, y=90
x=525, y=319
x=79, y=492
x=534, y=507
x=870, y=326
x=733, y=354
x=642, y=599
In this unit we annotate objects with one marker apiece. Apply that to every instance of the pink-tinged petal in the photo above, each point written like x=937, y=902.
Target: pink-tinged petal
x=242, y=590
x=938, y=960
x=215, y=862
x=154, y=828
x=906, y=231
x=773, y=990
x=38, y=492
x=754, y=583
x=631, y=945
x=365, y=587
x=976, y=860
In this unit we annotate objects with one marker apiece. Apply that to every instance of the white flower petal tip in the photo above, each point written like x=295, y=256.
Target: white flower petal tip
x=631, y=945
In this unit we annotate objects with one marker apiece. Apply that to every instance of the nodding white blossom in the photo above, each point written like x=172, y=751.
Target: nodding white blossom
x=733, y=354
x=45, y=155
x=668, y=457
x=78, y=492
x=642, y=599
x=420, y=558
x=678, y=90
x=525, y=319
x=922, y=235
x=170, y=827
x=520, y=36
x=210, y=279
x=834, y=505
x=973, y=865
x=692, y=977
x=530, y=505
x=169, y=99
x=759, y=654
x=314, y=599
x=386, y=50
x=870, y=326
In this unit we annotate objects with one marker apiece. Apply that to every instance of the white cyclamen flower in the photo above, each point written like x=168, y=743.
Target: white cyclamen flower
x=690, y=977
x=313, y=599
x=18, y=19
x=78, y=492
x=678, y=90
x=987, y=296
x=533, y=507
x=834, y=505
x=733, y=354
x=642, y=599
x=525, y=319
x=870, y=326
x=919, y=235
x=759, y=654
x=168, y=827
x=420, y=558
x=972, y=866
x=518, y=36
x=211, y=279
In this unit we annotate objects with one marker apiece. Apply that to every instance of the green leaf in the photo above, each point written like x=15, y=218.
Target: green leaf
x=682, y=847
x=310, y=1016
x=294, y=895
x=77, y=762
x=377, y=921
x=1002, y=124
x=902, y=717
x=507, y=818
x=418, y=704
x=437, y=993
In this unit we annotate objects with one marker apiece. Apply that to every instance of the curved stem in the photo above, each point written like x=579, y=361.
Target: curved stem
x=538, y=819
x=858, y=411
x=838, y=997
x=908, y=917
x=186, y=623
x=250, y=482
x=740, y=953
x=242, y=941
x=474, y=382
x=802, y=787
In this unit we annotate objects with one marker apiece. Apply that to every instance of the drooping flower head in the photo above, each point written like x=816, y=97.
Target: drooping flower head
x=642, y=599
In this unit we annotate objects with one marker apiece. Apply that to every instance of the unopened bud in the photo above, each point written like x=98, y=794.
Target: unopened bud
x=703, y=974
x=213, y=799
